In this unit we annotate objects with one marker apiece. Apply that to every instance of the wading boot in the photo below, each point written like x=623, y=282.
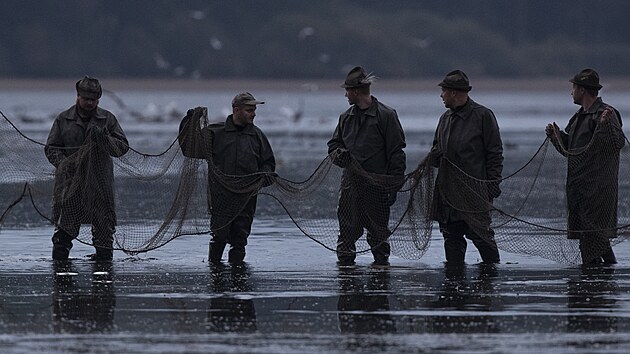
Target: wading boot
x=60, y=253
x=104, y=254
x=344, y=260
x=609, y=257
x=380, y=261
x=236, y=255
x=215, y=252
x=62, y=243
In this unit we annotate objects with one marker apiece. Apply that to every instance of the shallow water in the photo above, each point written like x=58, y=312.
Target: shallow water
x=290, y=297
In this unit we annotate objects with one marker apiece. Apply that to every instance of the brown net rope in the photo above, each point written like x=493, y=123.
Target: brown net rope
x=155, y=198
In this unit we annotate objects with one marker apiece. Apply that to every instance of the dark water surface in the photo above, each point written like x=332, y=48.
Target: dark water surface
x=290, y=297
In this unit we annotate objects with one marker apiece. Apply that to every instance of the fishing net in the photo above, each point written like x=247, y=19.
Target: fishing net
x=156, y=198
x=567, y=206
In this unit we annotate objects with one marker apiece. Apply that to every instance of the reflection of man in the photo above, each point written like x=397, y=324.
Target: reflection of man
x=369, y=299
x=226, y=312
x=590, y=298
x=591, y=142
x=370, y=133
x=457, y=293
x=84, y=178
x=235, y=147
x=78, y=311
x=467, y=136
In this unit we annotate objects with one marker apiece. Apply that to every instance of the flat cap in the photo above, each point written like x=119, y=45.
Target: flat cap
x=358, y=77
x=456, y=80
x=89, y=87
x=245, y=99
x=587, y=78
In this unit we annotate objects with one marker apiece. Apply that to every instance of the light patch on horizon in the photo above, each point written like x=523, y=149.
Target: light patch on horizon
x=160, y=62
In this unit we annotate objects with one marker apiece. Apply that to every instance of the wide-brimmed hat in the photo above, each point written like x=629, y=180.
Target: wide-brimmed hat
x=587, y=78
x=245, y=99
x=358, y=77
x=89, y=87
x=456, y=80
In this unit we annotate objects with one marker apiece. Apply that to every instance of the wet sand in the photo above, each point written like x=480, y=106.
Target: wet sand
x=290, y=297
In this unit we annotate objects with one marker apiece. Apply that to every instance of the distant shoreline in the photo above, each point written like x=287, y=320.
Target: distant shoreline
x=117, y=84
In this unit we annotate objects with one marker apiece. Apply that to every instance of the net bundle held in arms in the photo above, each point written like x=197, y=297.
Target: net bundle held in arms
x=159, y=197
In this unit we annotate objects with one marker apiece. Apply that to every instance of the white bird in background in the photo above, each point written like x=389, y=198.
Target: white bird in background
x=160, y=62
x=294, y=114
x=171, y=112
x=179, y=71
x=306, y=32
x=150, y=113
x=197, y=15
x=195, y=74
x=310, y=87
x=421, y=43
x=216, y=43
x=156, y=113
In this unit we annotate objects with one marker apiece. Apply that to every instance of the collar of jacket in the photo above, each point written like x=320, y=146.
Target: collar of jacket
x=464, y=111
x=98, y=114
x=370, y=111
x=593, y=108
x=231, y=127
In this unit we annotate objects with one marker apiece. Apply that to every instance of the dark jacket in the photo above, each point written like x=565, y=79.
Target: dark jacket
x=68, y=133
x=375, y=138
x=592, y=151
x=469, y=138
x=232, y=150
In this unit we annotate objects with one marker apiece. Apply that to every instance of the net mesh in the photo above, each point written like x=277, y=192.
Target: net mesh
x=155, y=198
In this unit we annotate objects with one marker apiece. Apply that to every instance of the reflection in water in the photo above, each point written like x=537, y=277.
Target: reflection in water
x=228, y=312
x=364, y=305
x=467, y=301
x=81, y=310
x=592, y=300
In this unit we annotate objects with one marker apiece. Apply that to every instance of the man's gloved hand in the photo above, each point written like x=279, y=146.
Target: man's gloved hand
x=269, y=179
x=97, y=133
x=391, y=198
x=341, y=157
x=434, y=156
x=196, y=113
x=193, y=118
x=397, y=182
x=551, y=129
x=67, y=167
x=494, y=191
x=436, y=153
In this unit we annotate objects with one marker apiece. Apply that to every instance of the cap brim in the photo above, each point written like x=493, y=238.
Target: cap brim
x=598, y=87
x=90, y=95
x=447, y=86
x=251, y=103
x=344, y=85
